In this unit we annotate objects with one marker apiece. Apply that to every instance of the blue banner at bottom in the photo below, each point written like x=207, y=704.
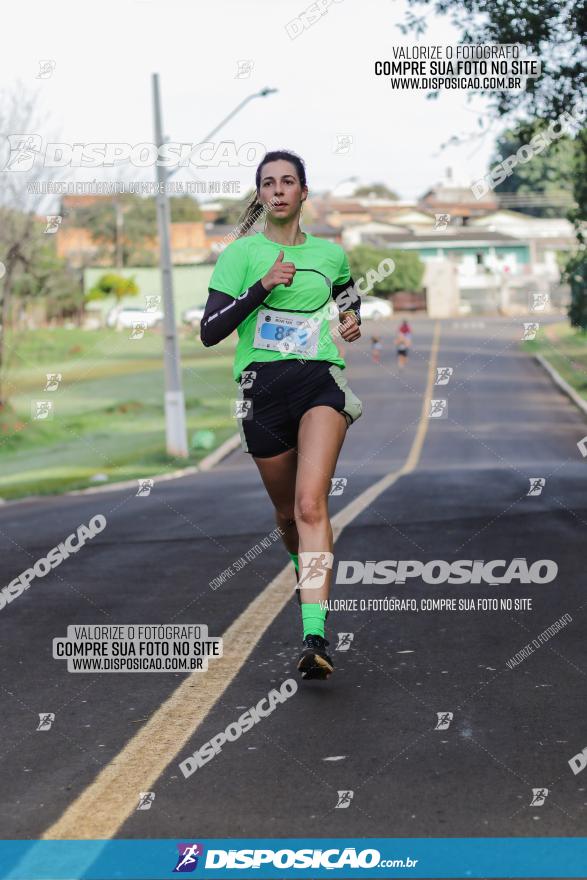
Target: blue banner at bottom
x=452, y=857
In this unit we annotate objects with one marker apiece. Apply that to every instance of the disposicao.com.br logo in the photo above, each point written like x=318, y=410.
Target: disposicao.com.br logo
x=326, y=859
x=440, y=571
x=22, y=152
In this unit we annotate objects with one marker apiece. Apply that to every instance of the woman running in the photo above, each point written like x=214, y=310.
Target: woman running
x=279, y=289
x=403, y=341
x=405, y=329
x=376, y=349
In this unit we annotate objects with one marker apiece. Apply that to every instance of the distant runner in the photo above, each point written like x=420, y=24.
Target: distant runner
x=376, y=349
x=403, y=341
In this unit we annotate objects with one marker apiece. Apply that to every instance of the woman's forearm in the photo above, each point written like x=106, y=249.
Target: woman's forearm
x=223, y=313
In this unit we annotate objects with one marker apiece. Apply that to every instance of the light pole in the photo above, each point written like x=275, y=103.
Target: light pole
x=175, y=421
x=262, y=94
x=340, y=183
x=119, y=230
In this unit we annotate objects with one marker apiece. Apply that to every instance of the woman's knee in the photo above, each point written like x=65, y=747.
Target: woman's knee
x=311, y=509
x=285, y=517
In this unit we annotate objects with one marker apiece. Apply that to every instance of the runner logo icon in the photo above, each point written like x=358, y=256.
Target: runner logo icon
x=443, y=375
x=337, y=485
x=437, y=409
x=46, y=719
x=344, y=800
x=146, y=799
x=537, y=484
x=539, y=795
x=314, y=567
x=187, y=860
x=443, y=720
x=344, y=641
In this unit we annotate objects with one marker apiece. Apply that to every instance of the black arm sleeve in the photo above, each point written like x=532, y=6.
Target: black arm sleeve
x=347, y=298
x=223, y=313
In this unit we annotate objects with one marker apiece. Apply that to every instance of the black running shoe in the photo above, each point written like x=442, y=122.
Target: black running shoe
x=314, y=662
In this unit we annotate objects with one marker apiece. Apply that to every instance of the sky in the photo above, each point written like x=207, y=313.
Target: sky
x=105, y=54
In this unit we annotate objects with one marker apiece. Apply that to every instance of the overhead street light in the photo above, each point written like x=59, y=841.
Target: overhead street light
x=262, y=94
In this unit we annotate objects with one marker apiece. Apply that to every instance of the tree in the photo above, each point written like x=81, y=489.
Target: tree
x=184, y=209
x=21, y=234
x=125, y=226
x=576, y=268
x=407, y=275
x=553, y=31
x=111, y=284
x=50, y=279
x=232, y=209
x=122, y=225
x=550, y=172
x=575, y=274
x=379, y=190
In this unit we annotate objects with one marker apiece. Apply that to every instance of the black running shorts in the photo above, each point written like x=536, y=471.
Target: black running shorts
x=278, y=395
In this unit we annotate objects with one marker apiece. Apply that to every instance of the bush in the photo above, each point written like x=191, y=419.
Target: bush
x=407, y=275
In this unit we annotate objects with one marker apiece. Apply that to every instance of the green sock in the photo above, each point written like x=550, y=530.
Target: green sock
x=296, y=562
x=313, y=618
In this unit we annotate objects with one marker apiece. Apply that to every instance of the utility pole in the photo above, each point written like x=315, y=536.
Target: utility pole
x=119, y=230
x=175, y=422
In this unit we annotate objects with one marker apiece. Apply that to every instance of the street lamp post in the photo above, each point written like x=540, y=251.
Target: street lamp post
x=119, y=230
x=340, y=183
x=175, y=421
x=262, y=94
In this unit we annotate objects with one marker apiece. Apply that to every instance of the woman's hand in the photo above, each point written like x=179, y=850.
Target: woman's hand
x=349, y=327
x=279, y=273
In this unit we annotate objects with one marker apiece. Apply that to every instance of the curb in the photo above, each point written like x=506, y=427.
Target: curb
x=206, y=464
x=562, y=383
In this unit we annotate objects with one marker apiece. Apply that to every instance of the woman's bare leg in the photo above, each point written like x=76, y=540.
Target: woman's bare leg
x=298, y=483
x=320, y=437
x=279, y=478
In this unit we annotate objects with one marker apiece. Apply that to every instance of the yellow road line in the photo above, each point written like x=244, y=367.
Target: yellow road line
x=109, y=800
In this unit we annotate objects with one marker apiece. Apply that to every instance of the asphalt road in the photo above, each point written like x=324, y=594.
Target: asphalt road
x=512, y=729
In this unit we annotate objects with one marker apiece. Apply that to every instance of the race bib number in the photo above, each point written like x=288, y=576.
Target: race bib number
x=286, y=333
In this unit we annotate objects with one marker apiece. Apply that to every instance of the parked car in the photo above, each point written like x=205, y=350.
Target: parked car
x=408, y=301
x=373, y=307
x=127, y=317
x=193, y=315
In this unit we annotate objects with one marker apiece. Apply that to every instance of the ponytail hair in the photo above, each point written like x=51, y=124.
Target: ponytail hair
x=250, y=215
x=255, y=209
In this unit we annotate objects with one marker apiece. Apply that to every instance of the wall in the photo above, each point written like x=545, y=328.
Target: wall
x=190, y=285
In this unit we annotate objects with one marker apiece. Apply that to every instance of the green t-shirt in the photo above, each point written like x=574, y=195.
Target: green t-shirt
x=246, y=260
